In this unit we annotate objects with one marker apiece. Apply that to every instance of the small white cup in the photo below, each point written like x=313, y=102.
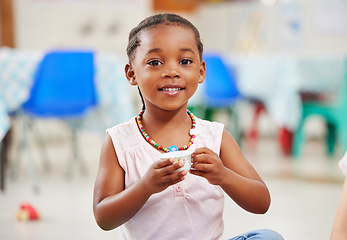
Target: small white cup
x=184, y=156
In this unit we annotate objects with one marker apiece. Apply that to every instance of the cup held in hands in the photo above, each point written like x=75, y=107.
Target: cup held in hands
x=184, y=156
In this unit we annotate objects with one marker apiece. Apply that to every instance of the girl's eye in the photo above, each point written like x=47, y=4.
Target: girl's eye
x=186, y=62
x=154, y=63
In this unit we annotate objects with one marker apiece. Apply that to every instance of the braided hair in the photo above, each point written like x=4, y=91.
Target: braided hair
x=152, y=21
x=134, y=40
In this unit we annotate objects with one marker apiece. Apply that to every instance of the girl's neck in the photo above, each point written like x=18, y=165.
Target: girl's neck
x=165, y=119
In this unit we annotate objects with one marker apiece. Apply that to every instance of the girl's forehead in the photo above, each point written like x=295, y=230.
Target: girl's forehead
x=167, y=35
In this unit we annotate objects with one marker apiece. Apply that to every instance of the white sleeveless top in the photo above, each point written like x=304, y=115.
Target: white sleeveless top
x=191, y=209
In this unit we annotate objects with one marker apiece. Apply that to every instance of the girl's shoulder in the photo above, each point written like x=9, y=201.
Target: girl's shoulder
x=125, y=135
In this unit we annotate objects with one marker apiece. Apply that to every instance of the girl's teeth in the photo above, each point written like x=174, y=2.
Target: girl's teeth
x=171, y=89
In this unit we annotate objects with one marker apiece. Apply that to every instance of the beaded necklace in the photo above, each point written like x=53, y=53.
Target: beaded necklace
x=173, y=147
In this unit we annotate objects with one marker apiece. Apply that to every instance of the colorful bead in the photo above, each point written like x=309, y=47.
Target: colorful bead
x=173, y=147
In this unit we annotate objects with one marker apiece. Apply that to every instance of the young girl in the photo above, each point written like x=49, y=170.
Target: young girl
x=143, y=195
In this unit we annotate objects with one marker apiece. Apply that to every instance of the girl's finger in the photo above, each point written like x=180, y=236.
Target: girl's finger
x=166, y=169
x=162, y=163
x=202, y=158
x=169, y=170
x=197, y=173
x=203, y=150
x=202, y=167
x=174, y=177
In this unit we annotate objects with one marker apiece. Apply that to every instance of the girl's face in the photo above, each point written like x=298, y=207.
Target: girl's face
x=166, y=66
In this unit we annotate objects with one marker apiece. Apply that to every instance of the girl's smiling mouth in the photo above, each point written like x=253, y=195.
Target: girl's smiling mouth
x=171, y=90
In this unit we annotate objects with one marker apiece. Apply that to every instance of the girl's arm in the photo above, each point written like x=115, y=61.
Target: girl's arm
x=339, y=231
x=234, y=174
x=114, y=205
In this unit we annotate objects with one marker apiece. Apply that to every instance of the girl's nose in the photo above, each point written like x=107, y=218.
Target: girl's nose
x=170, y=72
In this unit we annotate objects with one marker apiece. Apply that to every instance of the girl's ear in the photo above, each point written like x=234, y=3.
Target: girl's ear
x=130, y=74
x=202, y=71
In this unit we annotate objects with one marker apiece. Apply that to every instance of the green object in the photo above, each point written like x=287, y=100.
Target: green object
x=334, y=114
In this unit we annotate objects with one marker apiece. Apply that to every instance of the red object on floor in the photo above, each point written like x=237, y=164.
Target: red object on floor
x=27, y=212
x=285, y=138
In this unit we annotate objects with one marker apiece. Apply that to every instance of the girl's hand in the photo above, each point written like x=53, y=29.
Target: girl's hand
x=207, y=164
x=161, y=175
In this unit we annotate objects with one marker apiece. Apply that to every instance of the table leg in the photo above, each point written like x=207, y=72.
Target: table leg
x=4, y=158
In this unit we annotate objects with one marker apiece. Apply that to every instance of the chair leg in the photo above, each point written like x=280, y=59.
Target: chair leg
x=331, y=138
x=24, y=146
x=42, y=148
x=233, y=124
x=252, y=136
x=285, y=137
x=75, y=157
x=4, y=157
x=342, y=135
x=298, y=142
x=14, y=165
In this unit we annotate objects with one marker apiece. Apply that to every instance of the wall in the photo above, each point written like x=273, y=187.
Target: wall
x=103, y=25
x=302, y=27
x=292, y=26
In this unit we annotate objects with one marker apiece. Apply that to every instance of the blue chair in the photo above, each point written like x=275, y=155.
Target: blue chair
x=220, y=82
x=334, y=113
x=63, y=88
x=219, y=92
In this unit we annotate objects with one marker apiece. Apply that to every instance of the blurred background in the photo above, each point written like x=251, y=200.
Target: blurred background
x=276, y=77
